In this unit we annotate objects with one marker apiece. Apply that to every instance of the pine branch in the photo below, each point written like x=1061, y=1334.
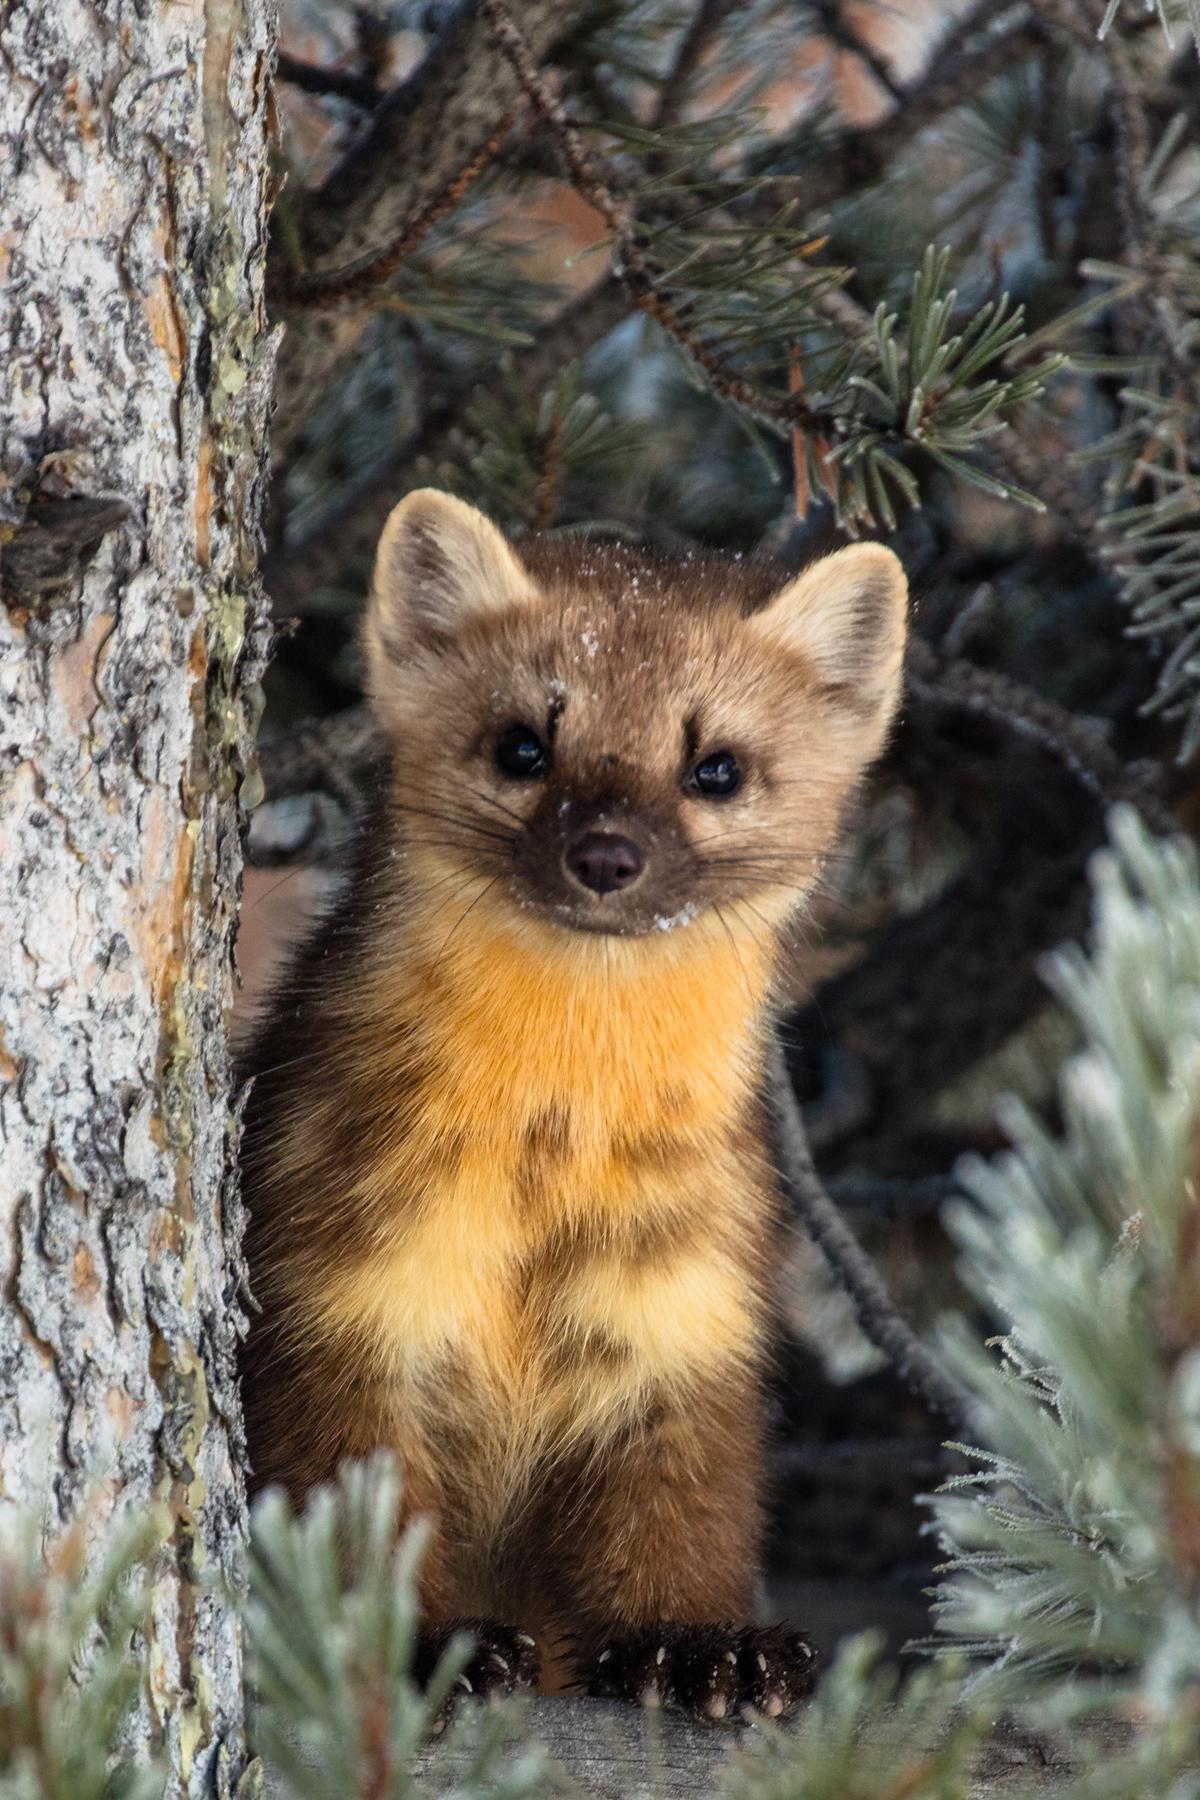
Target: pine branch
x=1070, y=1546
x=332, y=1636
x=877, y=1315
x=418, y=142
x=631, y=265
x=1147, y=527
x=67, y=1679
x=528, y=459
x=844, y=162
x=874, y=396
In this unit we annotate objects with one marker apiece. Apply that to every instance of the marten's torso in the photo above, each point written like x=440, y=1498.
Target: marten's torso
x=520, y=1198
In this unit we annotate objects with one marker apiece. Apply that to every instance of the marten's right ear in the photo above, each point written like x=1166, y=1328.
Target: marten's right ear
x=439, y=565
x=846, y=616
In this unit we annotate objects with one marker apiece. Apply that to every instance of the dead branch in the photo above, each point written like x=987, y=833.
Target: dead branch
x=358, y=280
x=878, y=1316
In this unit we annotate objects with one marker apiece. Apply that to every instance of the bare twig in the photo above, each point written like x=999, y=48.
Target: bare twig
x=340, y=84
x=354, y=281
x=707, y=20
x=877, y=1314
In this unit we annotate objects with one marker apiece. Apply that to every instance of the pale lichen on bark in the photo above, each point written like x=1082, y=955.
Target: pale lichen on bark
x=133, y=171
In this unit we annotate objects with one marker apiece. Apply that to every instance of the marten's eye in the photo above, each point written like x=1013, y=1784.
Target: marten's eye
x=716, y=776
x=521, y=752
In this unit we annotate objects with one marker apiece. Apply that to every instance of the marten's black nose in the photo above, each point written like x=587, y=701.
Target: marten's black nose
x=605, y=862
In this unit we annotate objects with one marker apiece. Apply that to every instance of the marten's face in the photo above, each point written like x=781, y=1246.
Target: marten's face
x=615, y=745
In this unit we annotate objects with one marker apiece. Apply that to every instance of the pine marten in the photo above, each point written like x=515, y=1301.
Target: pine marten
x=512, y=1213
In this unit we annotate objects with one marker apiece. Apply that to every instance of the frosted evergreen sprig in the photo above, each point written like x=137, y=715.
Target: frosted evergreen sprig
x=1069, y=1564
x=331, y=1626
x=863, y=1734
x=69, y=1661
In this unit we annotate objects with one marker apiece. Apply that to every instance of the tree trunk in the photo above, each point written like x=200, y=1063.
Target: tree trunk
x=137, y=371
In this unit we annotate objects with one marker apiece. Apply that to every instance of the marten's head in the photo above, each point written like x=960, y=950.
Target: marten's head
x=619, y=743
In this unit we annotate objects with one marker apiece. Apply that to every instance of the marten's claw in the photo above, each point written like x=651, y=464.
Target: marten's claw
x=777, y=1669
x=713, y=1672
x=502, y=1660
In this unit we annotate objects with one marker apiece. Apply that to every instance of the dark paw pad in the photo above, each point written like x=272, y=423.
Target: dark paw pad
x=502, y=1660
x=713, y=1672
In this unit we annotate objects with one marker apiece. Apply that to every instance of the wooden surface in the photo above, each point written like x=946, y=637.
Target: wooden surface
x=608, y=1751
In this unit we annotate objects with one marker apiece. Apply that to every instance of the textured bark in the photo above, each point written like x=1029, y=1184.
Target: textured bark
x=137, y=375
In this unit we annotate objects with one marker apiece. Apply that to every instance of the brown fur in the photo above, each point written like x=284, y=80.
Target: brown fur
x=511, y=1213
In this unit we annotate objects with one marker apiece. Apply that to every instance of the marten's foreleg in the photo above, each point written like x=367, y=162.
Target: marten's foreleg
x=312, y=1412
x=668, y=1525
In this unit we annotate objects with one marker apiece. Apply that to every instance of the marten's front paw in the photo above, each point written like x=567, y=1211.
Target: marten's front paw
x=502, y=1660
x=711, y=1671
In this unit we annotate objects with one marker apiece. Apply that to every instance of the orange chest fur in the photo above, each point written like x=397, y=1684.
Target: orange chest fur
x=564, y=1202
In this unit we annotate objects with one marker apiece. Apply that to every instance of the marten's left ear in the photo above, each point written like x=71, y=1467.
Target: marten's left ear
x=846, y=616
